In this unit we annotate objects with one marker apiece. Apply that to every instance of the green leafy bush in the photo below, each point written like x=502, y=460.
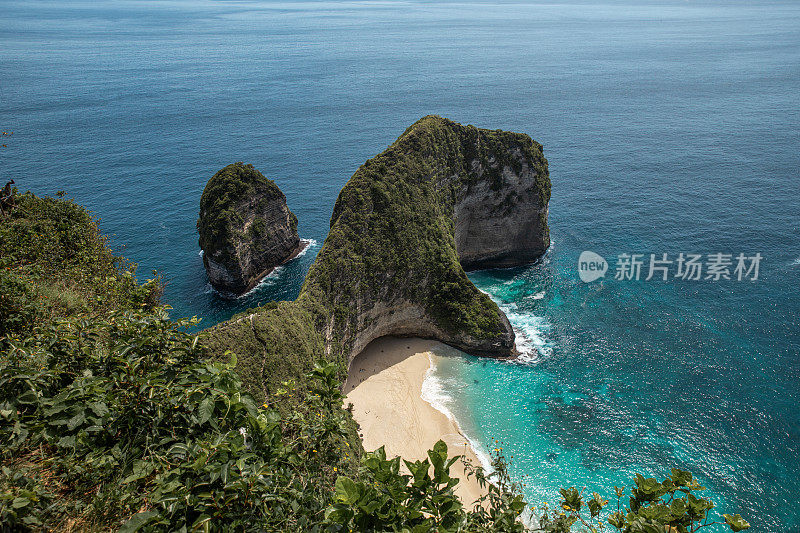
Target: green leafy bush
x=123, y=423
x=424, y=501
x=670, y=506
x=17, y=301
x=390, y=501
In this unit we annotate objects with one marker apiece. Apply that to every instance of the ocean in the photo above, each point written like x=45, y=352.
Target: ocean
x=670, y=127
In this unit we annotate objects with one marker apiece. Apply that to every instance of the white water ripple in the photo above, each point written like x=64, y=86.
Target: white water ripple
x=530, y=329
x=433, y=392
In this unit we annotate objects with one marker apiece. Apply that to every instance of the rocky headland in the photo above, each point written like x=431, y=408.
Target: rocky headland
x=441, y=198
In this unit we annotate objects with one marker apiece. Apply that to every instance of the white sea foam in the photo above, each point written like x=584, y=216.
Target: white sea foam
x=531, y=341
x=434, y=393
x=537, y=296
x=796, y=262
x=312, y=243
x=269, y=279
x=530, y=330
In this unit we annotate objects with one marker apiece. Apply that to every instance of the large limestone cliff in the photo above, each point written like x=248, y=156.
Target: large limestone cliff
x=503, y=223
x=440, y=196
x=245, y=228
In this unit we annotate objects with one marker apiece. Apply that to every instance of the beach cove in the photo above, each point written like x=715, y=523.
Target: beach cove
x=389, y=388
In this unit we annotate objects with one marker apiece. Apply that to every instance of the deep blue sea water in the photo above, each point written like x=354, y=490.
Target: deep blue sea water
x=669, y=127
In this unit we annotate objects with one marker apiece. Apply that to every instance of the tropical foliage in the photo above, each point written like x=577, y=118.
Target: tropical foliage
x=123, y=422
x=670, y=506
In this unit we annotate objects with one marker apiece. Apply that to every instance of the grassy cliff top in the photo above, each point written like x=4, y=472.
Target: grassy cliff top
x=54, y=262
x=219, y=216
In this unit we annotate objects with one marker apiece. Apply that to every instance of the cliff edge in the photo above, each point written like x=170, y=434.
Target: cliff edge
x=441, y=196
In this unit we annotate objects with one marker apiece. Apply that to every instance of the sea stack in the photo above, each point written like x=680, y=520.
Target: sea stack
x=245, y=227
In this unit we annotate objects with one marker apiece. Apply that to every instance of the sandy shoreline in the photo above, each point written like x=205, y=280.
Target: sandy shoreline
x=385, y=388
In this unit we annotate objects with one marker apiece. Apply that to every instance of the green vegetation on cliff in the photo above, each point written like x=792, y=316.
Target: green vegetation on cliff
x=392, y=226
x=392, y=246
x=275, y=343
x=218, y=215
x=55, y=263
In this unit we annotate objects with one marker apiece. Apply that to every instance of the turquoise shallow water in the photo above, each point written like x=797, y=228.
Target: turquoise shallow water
x=670, y=127
x=623, y=377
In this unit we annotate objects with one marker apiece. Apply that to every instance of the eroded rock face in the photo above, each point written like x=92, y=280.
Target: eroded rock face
x=245, y=228
x=502, y=224
x=441, y=199
x=405, y=318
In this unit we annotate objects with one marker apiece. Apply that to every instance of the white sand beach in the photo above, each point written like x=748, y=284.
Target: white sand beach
x=385, y=387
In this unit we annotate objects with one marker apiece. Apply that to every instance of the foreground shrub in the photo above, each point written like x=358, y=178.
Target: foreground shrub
x=424, y=500
x=670, y=506
x=123, y=423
